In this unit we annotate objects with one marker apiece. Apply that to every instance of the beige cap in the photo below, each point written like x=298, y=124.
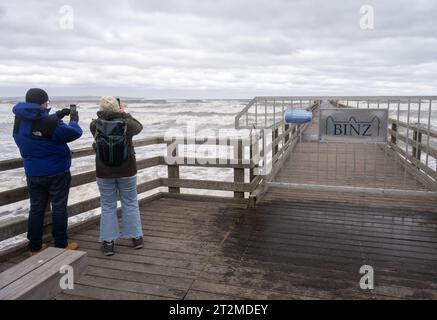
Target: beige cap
x=109, y=103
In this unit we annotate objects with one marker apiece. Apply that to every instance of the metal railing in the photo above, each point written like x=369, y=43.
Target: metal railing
x=268, y=112
x=260, y=112
x=412, y=132
x=412, y=129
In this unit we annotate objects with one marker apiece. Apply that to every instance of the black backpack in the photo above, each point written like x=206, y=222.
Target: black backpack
x=111, y=143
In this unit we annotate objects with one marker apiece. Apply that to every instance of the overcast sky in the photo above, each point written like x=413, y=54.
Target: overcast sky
x=218, y=48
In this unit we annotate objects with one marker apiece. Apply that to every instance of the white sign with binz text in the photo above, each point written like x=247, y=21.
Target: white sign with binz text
x=353, y=125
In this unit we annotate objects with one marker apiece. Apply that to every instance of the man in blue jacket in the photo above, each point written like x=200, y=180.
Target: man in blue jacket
x=42, y=139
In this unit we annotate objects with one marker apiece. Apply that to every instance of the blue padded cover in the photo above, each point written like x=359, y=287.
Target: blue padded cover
x=297, y=116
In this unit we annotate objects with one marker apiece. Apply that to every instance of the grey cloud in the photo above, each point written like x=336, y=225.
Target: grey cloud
x=232, y=47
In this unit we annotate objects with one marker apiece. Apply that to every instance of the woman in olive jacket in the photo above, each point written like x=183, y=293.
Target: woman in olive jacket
x=122, y=180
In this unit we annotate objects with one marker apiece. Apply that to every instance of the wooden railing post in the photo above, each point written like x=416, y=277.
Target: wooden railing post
x=287, y=136
x=417, y=137
x=394, y=128
x=173, y=170
x=274, y=137
x=239, y=172
x=254, y=154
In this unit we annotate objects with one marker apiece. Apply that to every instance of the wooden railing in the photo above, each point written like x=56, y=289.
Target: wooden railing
x=250, y=156
x=18, y=225
x=246, y=188
x=284, y=138
x=416, y=150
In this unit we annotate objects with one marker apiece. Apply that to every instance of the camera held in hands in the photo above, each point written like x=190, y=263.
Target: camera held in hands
x=74, y=115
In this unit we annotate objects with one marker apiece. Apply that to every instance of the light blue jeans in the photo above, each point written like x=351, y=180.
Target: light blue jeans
x=131, y=221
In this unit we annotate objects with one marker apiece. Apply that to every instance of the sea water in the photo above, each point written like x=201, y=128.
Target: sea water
x=158, y=117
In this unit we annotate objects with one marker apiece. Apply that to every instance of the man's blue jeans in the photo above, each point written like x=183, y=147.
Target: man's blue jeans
x=42, y=190
x=131, y=221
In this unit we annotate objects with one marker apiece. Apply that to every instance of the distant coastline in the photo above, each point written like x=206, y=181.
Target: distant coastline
x=7, y=100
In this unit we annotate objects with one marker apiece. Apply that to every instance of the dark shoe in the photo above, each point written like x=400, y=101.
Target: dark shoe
x=137, y=243
x=34, y=253
x=108, y=248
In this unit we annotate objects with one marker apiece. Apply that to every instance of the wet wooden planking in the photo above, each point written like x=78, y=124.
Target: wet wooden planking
x=358, y=165
x=280, y=250
x=180, y=236
x=294, y=245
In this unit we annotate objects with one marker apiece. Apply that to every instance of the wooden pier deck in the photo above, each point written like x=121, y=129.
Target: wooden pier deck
x=284, y=249
x=290, y=247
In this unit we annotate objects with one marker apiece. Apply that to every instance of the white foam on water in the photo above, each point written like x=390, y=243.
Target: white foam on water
x=156, y=116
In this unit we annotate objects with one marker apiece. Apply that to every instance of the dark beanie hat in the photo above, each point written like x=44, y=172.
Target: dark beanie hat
x=36, y=95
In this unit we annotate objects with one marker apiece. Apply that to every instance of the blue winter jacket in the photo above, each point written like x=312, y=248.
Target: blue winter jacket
x=42, y=139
